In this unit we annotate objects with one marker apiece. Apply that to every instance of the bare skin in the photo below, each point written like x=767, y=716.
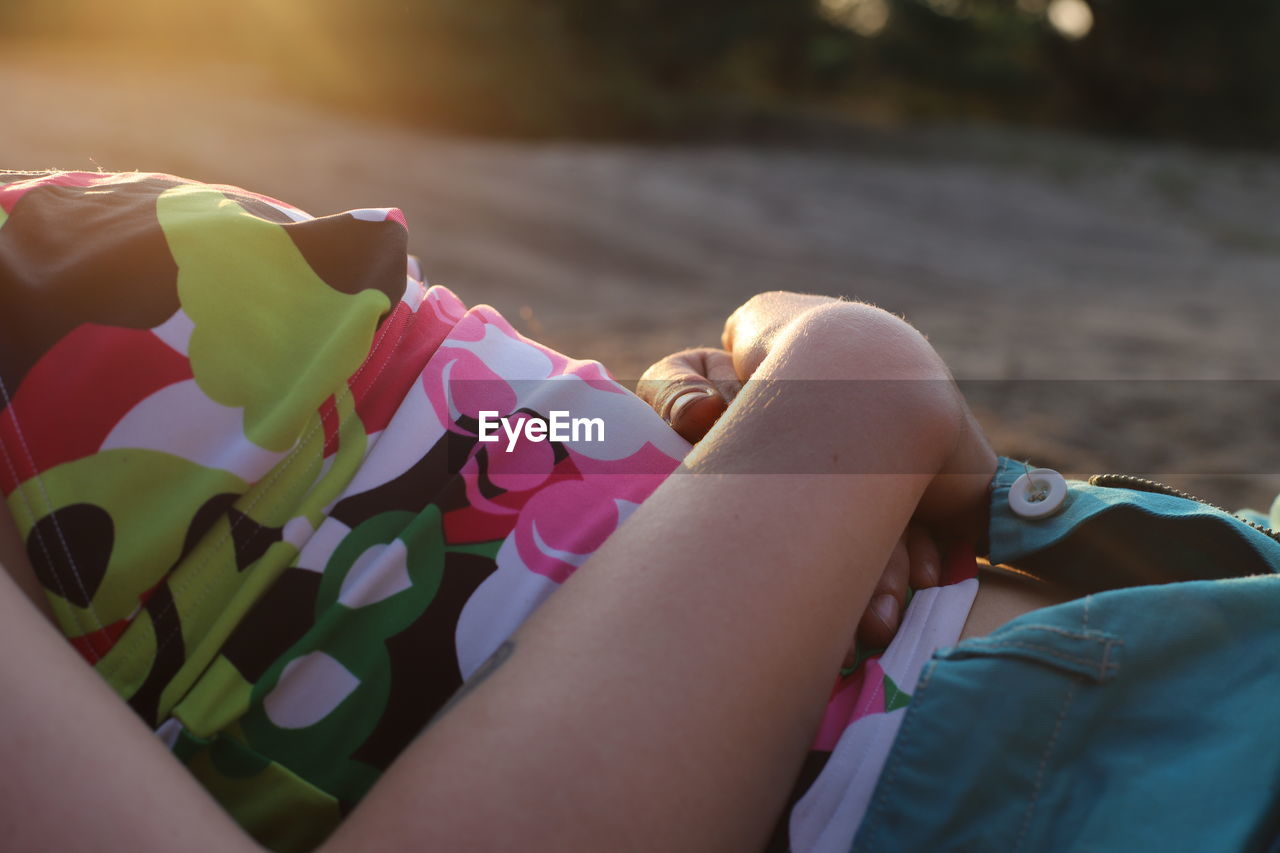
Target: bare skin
x=693, y=389
x=1005, y=594
x=619, y=717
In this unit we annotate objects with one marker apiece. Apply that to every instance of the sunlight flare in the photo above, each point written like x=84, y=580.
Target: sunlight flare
x=864, y=17
x=1071, y=18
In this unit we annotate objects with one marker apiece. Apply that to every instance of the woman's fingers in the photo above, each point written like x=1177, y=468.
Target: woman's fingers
x=693, y=413
x=926, y=561
x=691, y=389
x=884, y=612
x=749, y=331
x=719, y=369
x=915, y=562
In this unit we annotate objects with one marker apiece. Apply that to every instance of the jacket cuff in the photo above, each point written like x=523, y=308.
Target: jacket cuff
x=1104, y=537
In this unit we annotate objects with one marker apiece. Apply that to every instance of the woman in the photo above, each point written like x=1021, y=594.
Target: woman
x=288, y=425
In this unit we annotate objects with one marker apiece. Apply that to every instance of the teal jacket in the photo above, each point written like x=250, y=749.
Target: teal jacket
x=1145, y=716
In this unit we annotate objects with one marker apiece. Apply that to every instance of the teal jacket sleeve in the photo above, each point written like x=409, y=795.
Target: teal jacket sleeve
x=1107, y=537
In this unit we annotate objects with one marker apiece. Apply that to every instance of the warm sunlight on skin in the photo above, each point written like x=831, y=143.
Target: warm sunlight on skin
x=1071, y=18
x=864, y=17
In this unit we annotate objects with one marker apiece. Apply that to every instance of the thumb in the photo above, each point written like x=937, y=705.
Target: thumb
x=694, y=410
x=682, y=389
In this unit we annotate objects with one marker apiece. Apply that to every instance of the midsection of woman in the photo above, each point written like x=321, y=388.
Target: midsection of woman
x=271, y=524
x=1001, y=595
x=243, y=450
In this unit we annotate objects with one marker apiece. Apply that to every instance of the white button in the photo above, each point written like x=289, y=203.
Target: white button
x=1038, y=494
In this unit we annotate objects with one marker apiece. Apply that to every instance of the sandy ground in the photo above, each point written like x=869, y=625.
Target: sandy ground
x=1109, y=307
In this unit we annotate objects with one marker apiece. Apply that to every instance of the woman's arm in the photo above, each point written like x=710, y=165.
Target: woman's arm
x=662, y=699
x=80, y=770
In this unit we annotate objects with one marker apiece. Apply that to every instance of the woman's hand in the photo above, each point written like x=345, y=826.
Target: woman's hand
x=693, y=388
x=752, y=331
x=915, y=563
x=715, y=617
x=820, y=337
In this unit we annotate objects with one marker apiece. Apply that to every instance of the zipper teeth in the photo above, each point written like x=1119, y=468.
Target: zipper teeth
x=1142, y=484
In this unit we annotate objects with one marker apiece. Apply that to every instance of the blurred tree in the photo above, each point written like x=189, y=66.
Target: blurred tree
x=677, y=45
x=579, y=66
x=1186, y=68
x=1181, y=68
x=956, y=57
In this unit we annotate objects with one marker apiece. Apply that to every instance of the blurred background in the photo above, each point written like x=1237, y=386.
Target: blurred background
x=1077, y=200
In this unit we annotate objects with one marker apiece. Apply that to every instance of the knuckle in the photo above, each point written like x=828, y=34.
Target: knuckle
x=667, y=366
x=894, y=580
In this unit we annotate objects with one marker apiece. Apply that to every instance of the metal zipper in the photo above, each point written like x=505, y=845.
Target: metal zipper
x=1142, y=484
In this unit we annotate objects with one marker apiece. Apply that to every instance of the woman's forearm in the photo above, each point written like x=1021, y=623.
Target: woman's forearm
x=82, y=772
x=664, y=697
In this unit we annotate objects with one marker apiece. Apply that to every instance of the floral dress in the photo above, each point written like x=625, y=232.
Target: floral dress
x=243, y=447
